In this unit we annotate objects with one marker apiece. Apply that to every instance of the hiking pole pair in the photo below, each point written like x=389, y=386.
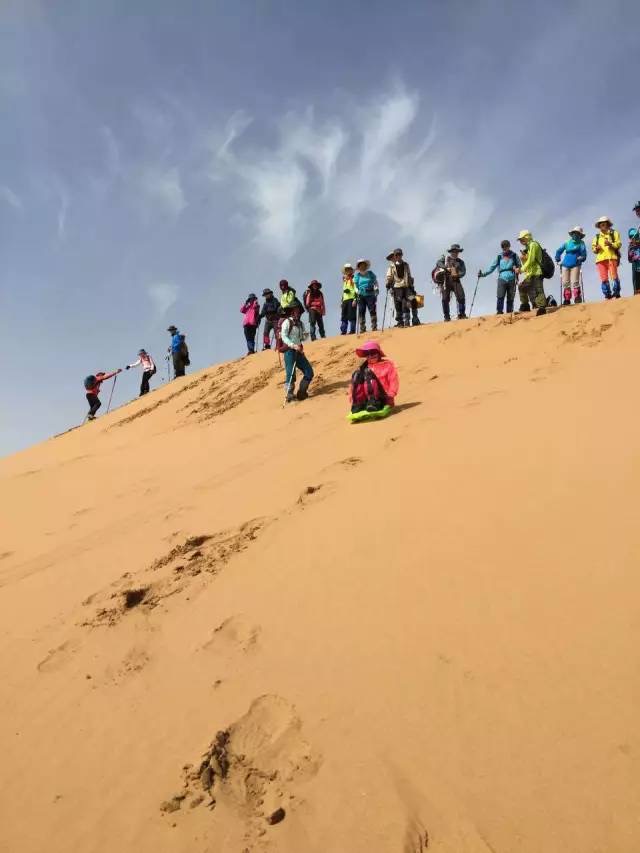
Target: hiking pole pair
x=474, y=297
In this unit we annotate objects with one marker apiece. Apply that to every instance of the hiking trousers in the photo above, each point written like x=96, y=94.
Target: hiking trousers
x=348, y=317
x=506, y=289
x=292, y=360
x=94, y=403
x=532, y=291
x=453, y=285
x=404, y=306
x=270, y=324
x=608, y=272
x=636, y=281
x=368, y=302
x=250, y=335
x=315, y=319
x=178, y=364
x=144, y=385
x=570, y=278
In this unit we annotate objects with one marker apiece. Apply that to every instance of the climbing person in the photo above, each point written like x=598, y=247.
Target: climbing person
x=508, y=265
x=448, y=274
x=399, y=281
x=269, y=310
x=288, y=296
x=314, y=303
x=292, y=335
x=251, y=311
x=532, y=286
x=606, y=247
x=92, y=386
x=148, y=369
x=367, y=287
x=374, y=385
x=575, y=254
x=633, y=256
x=179, y=352
x=348, y=305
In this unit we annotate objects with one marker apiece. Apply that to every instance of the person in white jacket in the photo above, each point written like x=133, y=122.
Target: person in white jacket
x=148, y=369
x=293, y=334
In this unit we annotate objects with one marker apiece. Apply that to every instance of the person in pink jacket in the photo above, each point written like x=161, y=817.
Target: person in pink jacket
x=251, y=311
x=384, y=369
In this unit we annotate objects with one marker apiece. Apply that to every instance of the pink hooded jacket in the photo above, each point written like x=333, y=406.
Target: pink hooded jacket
x=251, y=313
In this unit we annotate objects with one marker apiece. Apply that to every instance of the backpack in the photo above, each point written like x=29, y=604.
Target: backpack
x=280, y=345
x=438, y=276
x=90, y=382
x=547, y=265
x=367, y=393
x=184, y=351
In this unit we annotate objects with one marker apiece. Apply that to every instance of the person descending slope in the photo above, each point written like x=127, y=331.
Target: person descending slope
x=270, y=309
x=92, y=386
x=532, y=287
x=148, y=369
x=606, y=247
x=251, y=311
x=314, y=303
x=508, y=265
x=348, y=305
x=400, y=281
x=448, y=275
x=292, y=336
x=374, y=385
x=575, y=254
x=179, y=352
x=633, y=256
x=367, y=286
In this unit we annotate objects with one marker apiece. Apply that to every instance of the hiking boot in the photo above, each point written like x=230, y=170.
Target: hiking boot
x=266, y=346
x=416, y=322
x=447, y=319
x=540, y=312
x=462, y=316
x=566, y=302
x=363, y=329
x=524, y=308
x=577, y=300
x=302, y=390
x=374, y=327
x=399, y=325
x=290, y=397
x=91, y=417
x=499, y=312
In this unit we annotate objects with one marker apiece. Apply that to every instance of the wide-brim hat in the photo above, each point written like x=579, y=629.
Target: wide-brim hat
x=366, y=349
x=455, y=247
x=577, y=229
x=603, y=220
x=637, y=206
x=347, y=267
x=364, y=261
x=142, y=352
x=315, y=283
x=267, y=292
x=251, y=296
x=524, y=234
x=172, y=329
x=391, y=255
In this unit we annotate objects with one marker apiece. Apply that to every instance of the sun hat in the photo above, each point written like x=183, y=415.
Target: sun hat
x=267, y=292
x=637, y=205
x=251, y=296
x=455, y=247
x=602, y=220
x=315, y=281
x=142, y=352
x=347, y=267
x=577, y=229
x=368, y=348
x=391, y=255
x=524, y=234
x=364, y=261
x=172, y=329
x=634, y=233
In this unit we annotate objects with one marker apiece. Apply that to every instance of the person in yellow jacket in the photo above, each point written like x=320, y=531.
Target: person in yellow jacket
x=606, y=247
x=288, y=296
x=532, y=286
x=348, y=305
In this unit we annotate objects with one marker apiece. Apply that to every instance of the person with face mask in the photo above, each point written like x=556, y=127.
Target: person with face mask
x=400, y=281
x=575, y=254
x=606, y=247
x=508, y=265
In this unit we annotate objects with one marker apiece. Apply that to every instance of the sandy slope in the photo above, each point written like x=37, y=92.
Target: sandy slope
x=417, y=634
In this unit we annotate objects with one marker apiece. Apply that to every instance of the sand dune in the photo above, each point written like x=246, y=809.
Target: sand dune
x=229, y=626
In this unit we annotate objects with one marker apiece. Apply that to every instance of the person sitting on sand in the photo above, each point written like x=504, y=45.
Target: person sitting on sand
x=383, y=368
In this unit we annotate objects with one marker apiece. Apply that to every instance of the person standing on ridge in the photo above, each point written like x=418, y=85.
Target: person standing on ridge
x=148, y=369
x=532, y=287
x=178, y=351
x=314, y=303
x=348, y=305
x=508, y=265
x=367, y=287
x=289, y=297
x=633, y=256
x=270, y=309
x=292, y=335
x=606, y=247
x=575, y=254
x=400, y=281
x=636, y=209
x=92, y=386
x=449, y=272
x=251, y=311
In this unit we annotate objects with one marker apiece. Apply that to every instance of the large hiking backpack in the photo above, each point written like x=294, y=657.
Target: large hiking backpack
x=547, y=265
x=90, y=382
x=438, y=276
x=367, y=393
x=184, y=351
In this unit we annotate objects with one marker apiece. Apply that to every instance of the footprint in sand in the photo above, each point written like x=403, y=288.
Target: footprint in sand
x=58, y=657
x=235, y=633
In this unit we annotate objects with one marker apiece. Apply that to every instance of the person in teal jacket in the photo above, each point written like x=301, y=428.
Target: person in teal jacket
x=575, y=254
x=508, y=265
x=366, y=285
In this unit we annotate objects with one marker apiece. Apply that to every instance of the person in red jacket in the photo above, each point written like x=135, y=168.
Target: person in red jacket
x=92, y=384
x=314, y=303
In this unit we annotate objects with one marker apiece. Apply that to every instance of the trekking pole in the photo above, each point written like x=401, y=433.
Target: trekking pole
x=474, y=297
x=384, y=313
x=290, y=385
x=111, y=394
x=584, y=298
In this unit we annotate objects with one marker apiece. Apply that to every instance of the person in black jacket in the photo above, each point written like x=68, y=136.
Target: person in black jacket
x=269, y=312
x=449, y=273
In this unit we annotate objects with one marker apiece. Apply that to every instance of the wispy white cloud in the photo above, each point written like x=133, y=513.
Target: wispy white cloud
x=8, y=196
x=163, y=295
x=163, y=188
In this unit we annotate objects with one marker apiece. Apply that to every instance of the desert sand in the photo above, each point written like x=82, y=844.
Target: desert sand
x=418, y=634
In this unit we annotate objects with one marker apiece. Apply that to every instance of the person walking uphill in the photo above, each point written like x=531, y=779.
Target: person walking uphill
x=251, y=311
x=508, y=265
x=606, y=247
x=179, y=352
x=270, y=311
x=292, y=334
x=532, y=287
x=367, y=287
x=575, y=254
x=449, y=273
x=148, y=369
x=92, y=386
x=348, y=305
x=314, y=303
x=400, y=281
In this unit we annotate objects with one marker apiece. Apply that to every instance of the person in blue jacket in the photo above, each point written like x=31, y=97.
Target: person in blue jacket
x=178, y=351
x=508, y=265
x=575, y=254
x=366, y=285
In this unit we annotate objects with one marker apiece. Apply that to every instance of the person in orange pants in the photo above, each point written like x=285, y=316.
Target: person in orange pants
x=606, y=247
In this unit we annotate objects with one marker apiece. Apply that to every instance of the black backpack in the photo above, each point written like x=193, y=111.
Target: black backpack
x=90, y=382
x=367, y=393
x=184, y=351
x=547, y=265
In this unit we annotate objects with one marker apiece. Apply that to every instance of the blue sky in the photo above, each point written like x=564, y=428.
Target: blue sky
x=161, y=159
